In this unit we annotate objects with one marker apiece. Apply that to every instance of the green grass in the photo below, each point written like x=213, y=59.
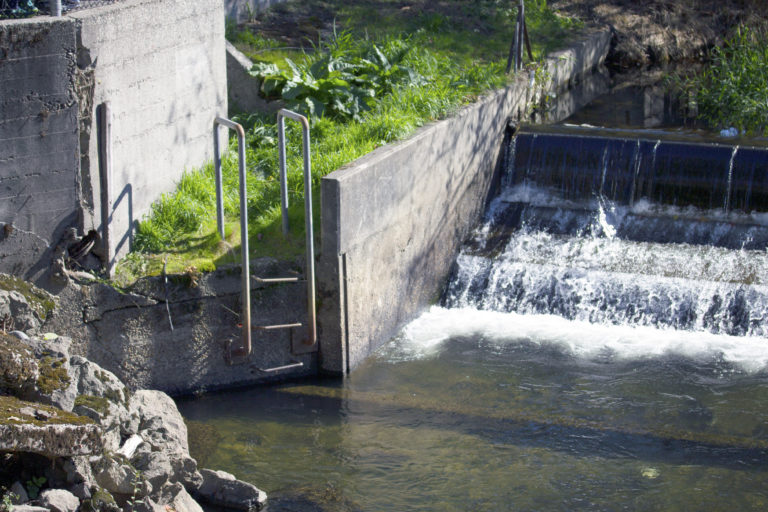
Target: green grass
x=732, y=90
x=455, y=58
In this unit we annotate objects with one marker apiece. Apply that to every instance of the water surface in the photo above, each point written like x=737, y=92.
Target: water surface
x=480, y=410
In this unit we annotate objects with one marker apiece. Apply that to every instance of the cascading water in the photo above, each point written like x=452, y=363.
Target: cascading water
x=573, y=234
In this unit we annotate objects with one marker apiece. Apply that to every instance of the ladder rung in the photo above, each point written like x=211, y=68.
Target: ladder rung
x=274, y=327
x=279, y=368
x=276, y=280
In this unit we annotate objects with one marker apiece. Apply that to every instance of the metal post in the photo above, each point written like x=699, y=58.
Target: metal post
x=245, y=316
x=308, y=221
x=55, y=7
x=217, y=172
x=105, y=174
x=283, y=172
x=519, y=33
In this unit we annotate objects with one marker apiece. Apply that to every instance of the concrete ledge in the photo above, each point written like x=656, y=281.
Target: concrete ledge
x=242, y=88
x=393, y=220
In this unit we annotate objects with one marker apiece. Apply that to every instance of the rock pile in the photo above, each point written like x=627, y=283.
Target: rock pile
x=83, y=441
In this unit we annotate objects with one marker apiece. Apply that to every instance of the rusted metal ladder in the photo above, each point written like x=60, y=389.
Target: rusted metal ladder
x=309, y=343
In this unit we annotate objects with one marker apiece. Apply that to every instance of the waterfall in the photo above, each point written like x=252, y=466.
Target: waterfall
x=624, y=232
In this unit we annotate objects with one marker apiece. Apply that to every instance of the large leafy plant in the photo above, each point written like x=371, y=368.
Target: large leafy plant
x=342, y=82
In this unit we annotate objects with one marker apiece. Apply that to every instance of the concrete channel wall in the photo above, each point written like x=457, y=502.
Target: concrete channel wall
x=161, y=65
x=39, y=145
x=393, y=221
x=243, y=10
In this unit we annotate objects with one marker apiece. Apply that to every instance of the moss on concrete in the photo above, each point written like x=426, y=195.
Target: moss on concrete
x=39, y=300
x=16, y=412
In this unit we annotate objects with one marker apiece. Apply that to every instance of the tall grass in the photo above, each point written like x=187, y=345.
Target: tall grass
x=438, y=81
x=732, y=90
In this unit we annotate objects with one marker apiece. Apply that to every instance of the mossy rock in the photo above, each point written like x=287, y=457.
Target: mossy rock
x=100, y=501
x=53, y=375
x=14, y=411
x=39, y=300
x=97, y=403
x=19, y=370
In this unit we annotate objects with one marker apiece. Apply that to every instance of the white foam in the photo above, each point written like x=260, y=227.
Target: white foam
x=424, y=336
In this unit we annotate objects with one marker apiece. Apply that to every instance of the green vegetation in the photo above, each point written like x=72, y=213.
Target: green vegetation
x=360, y=92
x=97, y=403
x=732, y=91
x=34, y=486
x=6, y=503
x=39, y=300
x=18, y=367
x=20, y=9
x=53, y=375
x=12, y=412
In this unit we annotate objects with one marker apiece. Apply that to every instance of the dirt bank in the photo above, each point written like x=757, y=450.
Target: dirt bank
x=658, y=31
x=647, y=32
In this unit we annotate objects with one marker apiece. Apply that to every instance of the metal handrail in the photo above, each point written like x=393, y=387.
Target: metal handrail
x=308, y=222
x=245, y=317
x=245, y=349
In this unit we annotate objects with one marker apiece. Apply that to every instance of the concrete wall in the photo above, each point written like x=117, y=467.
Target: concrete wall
x=393, y=221
x=39, y=152
x=161, y=65
x=243, y=10
x=181, y=347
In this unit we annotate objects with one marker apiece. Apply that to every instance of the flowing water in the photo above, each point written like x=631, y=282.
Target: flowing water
x=597, y=348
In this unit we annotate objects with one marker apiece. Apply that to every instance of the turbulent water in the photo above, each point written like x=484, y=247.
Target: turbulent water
x=595, y=266
x=589, y=354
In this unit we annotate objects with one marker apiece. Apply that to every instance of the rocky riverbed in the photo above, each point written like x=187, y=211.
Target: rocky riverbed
x=74, y=437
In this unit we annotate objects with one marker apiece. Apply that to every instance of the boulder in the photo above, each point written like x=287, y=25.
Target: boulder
x=59, y=500
x=118, y=477
x=163, y=430
x=77, y=470
x=18, y=367
x=173, y=496
x=155, y=467
x=60, y=439
x=222, y=489
x=160, y=420
x=102, y=397
x=100, y=501
x=82, y=491
x=55, y=383
x=15, y=308
x=18, y=493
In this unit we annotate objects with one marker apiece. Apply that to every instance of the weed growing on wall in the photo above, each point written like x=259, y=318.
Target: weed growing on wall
x=359, y=93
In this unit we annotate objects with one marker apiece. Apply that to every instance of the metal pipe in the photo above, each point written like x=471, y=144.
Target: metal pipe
x=55, y=8
x=283, y=172
x=519, y=33
x=280, y=368
x=217, y=173
x=245, y=317
x=105, y=172
x=308, y=221
x=276, y=327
